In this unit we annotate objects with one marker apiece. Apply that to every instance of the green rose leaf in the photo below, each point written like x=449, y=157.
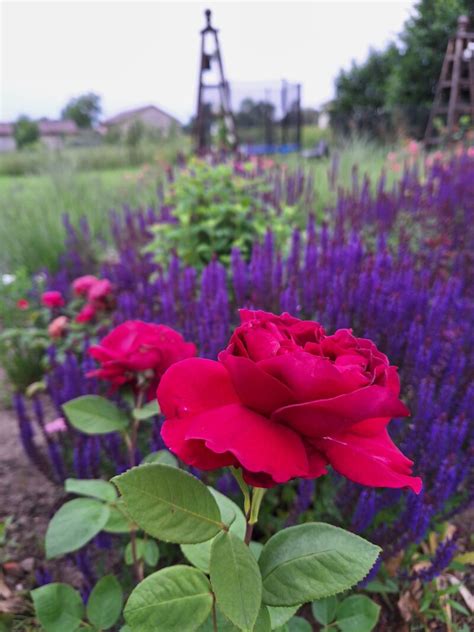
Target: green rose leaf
x=75, y=524
x=263, y=622
x=312, y=561
x=256, y=548
x=145, y=412
x=95, y=488
x=161, y=456
x=146, y=550
x=298, y=624
x=139, y=548
x=236, y=581
x=175, y=599
x=105, y=603
x=169, y=503
x=119, y=521
x=200, y=554
x=151, y=555
x=324, y=610
x=223, y=624
x=58, y=607
x=280, y=615
x=357, y=614
x=93, y=415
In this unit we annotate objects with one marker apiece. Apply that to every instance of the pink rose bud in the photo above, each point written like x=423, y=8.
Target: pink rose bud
x=57, y=327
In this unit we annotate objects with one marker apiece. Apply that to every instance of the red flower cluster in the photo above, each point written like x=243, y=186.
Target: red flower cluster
x=96, y=292
x=285, y=400
x=136, y=347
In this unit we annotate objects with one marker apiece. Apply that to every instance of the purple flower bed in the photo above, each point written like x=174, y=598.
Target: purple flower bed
x=395, y=265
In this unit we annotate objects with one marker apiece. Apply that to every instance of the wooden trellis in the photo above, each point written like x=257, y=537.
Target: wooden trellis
x=214, y=104
x=454, y=97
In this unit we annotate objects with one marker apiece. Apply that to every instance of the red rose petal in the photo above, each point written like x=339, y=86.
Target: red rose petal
x=311, y=377
x=257, y=443
x=256, y=389
x=373, y=461
x=333, y=416
x=193, y=453
x=193, y=386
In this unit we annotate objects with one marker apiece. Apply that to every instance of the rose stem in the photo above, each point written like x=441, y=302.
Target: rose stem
x=132, y=448
x=214, y=614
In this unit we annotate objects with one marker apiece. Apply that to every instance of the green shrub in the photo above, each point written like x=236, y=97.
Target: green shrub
x=215, y=211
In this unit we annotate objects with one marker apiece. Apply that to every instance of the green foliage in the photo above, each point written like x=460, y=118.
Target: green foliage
x=215, y=210
x=397, y=85
x=58, y=607
x=235, y=580
x=200, y=554
x=280, y=615
x=324, y=610
x=170, y=504
x=83, y=110
x=312, y=561
x=119, y=521
x=75, y=524
x=105, y=603
x=423, y=43
x=165, y=457
x=25, y=132
x=95, y=415
x=21, y=353
x=357, y=613
x=175, y=598
x=148, y=411
x=94, y=488
x=361, y=94
x=146, y=550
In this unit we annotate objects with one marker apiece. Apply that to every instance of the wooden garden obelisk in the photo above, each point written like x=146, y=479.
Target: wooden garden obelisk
x=214, y=104
x=454, y=97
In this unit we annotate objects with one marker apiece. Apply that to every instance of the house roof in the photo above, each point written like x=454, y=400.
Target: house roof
x=6, y=129
x=67, y=127
x=122, y=117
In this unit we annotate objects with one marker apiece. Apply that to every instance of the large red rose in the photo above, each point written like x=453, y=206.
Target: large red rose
x=136, y=347
x=285, y=400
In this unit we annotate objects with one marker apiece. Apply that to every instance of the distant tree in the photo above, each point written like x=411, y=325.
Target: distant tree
x=361, y=92
x=399, y=83
x=423, y=44
x=253, y=113
x=25, y=131
x=83, y=110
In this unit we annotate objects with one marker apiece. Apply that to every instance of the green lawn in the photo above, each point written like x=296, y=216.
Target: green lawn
x=31, y=208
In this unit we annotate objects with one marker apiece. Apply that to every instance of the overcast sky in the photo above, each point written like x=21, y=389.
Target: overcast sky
x=135, y=53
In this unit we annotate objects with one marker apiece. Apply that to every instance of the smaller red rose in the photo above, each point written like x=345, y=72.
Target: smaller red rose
x=22, y=304
x=136, y=347
x=52, y=299
x=99, y=291
x=86, y=314
x=83, y=284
